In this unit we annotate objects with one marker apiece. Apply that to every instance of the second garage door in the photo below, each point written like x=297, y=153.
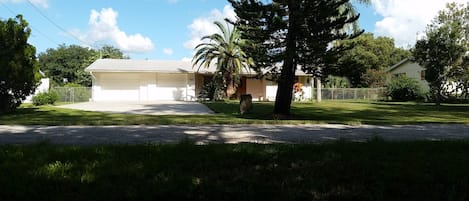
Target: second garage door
x=171, y=86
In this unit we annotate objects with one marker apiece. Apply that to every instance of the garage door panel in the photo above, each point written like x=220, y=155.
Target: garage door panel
x=141, y=87
x=117, y=90
x=171, y=87
x=171, y=80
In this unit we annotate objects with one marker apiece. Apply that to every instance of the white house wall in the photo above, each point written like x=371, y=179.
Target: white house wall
x=411, y=70
x=142, y=86
x=43, y=87
x=270, y=90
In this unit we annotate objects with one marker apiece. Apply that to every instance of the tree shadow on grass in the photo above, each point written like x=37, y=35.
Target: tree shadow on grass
x=338, y=171
x=364, y=113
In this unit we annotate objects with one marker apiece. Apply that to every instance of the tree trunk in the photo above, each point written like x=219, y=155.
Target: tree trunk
x=287, y=77
x=230, y=87
x=318, y=89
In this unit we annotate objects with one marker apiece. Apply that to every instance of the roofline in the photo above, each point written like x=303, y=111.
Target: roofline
x=87, y=69
x=397, y=65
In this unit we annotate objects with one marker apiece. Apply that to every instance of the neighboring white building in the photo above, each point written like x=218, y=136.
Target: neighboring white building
x=150, y=80
x=409, y=69
x=43, y=87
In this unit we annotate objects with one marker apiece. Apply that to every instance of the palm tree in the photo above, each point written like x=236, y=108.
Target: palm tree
x=225, y=49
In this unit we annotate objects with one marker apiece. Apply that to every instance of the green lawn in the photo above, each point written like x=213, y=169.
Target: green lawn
x=356, y=112
x=376, y=170
x=227, y=113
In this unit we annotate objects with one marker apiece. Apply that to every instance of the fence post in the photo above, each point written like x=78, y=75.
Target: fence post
x=73, y=95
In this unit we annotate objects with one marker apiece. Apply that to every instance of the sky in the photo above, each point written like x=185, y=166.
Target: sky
x=170, y=29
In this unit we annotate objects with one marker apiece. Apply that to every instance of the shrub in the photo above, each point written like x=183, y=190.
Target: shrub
x=71, y=84
x=45, y=98
x=336, y=82
x=212, y=91
x=402, y=88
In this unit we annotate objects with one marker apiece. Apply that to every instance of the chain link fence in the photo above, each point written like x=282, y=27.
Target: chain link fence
x=73, y=94
x=353, y=93
x=83, y=94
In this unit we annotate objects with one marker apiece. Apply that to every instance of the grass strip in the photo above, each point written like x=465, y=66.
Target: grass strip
x=335, y=112
x=374, y=170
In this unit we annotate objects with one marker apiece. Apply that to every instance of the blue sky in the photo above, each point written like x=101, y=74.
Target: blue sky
x=169, y=29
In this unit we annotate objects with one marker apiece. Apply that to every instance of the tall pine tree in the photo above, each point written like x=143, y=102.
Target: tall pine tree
x=284, y=34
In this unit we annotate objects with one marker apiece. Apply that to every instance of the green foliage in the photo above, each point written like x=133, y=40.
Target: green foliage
x=225, y=49
x=336, y=82
x=444, y=52
x=402, y=88
x=19, y=72
x=45, y=98
x=375, y=78
x=364, y=53
x=69, y=62
x=72, y=85
x=213, y=90
x=110, y=52
x=293, y=33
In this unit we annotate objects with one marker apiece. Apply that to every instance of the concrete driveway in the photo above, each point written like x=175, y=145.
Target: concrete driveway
x=151, y=108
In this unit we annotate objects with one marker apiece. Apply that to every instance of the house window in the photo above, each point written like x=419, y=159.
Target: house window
x=422, y=75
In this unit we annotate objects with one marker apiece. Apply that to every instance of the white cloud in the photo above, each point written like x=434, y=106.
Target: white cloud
x=403, y=20
x=41, y=3
x=203, y=26
x=103, y=29
x=168, y=51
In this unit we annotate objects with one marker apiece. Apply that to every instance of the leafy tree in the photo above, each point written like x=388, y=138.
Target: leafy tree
x=364, y=53
x=284, y=34
x=444, y=51
x=66, y=64
x=225, y=49
x=110, y=52
x=375, y=78
x=336, y=82
x=19, y=71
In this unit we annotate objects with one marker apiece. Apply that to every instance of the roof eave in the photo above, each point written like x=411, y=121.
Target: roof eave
x=397, y=65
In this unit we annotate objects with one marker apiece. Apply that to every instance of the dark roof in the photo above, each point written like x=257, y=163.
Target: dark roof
x=397, y=65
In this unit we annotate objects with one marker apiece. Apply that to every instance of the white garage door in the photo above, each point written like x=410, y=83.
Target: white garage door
x=171, y=86
x=120, y=90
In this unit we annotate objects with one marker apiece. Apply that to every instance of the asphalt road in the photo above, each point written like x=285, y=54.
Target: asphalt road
x=203, y=134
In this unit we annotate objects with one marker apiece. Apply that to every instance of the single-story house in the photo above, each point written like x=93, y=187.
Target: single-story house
x=152, y=80
x=409, y=69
